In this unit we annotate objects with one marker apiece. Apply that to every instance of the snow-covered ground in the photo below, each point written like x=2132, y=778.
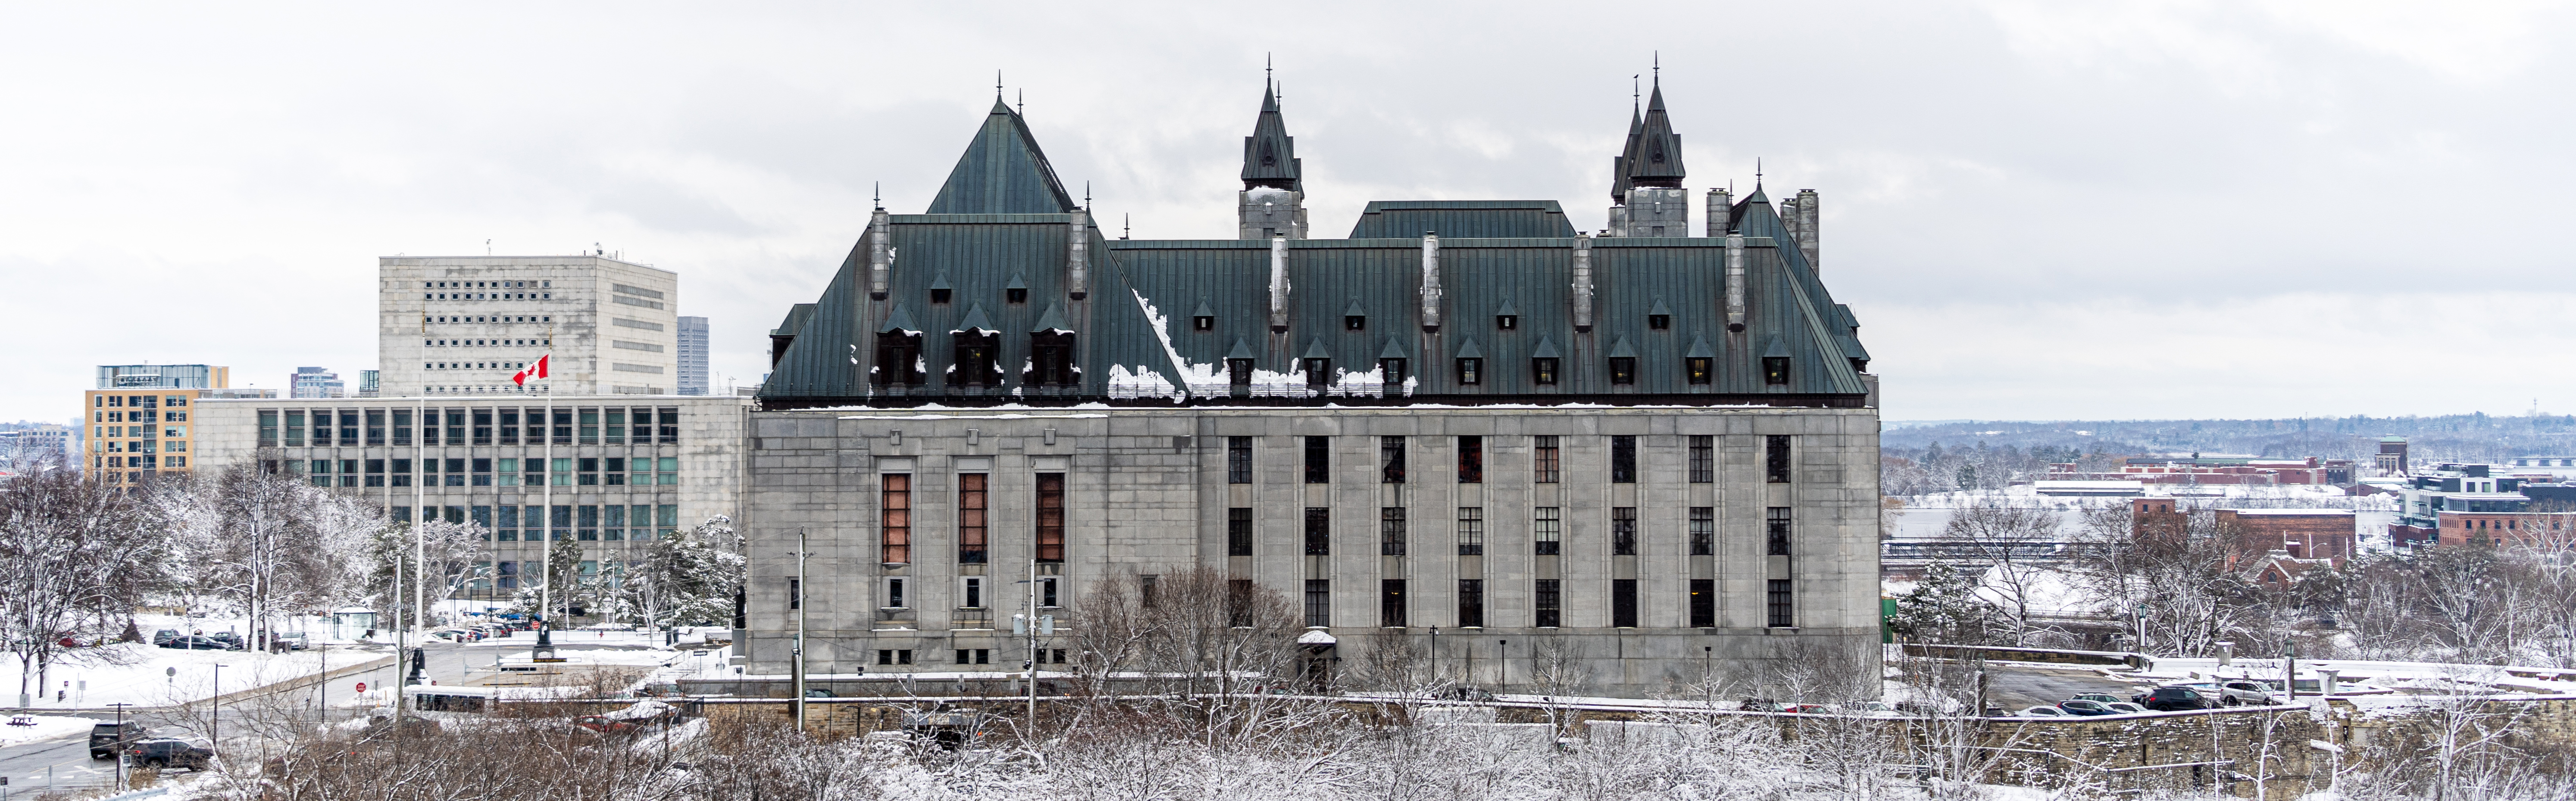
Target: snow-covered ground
x=138, y=673
x=43, y=727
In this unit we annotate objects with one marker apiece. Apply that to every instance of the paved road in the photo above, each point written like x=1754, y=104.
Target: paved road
x=2014, y=687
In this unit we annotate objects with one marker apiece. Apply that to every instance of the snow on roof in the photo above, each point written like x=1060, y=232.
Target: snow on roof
x=2346, y=512
x=1316, y=637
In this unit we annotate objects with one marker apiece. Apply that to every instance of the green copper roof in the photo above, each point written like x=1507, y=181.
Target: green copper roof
x=1270, y=154
x=1002, y=172
x=1491, y=219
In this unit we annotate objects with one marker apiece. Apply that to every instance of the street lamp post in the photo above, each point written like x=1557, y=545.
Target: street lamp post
x=215, y=723
x=2142, y=628
x=120, y=744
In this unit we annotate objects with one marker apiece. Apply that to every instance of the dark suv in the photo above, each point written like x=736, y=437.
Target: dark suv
x=106, y=739
x=2169, y=699
x=165, y=752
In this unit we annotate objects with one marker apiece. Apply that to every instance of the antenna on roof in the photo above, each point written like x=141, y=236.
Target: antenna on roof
x=876, y=194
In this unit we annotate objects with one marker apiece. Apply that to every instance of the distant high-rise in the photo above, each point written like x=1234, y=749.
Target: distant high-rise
x=693, y=355
x=464, y=325
x=367, y=383
x=136, y=421
x=314, y=382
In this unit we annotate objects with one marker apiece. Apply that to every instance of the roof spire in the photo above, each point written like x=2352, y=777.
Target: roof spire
x=876, y=194
x=1024, y=102
x=997, y=86
x=1126, y=224
x=1656, y=160
x=1086, y=195
x=1270, y=154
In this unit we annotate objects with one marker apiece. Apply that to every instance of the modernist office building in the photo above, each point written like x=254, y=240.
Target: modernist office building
x=1655, y=448
x=462, y=325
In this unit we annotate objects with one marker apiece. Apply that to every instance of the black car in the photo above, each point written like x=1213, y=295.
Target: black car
x=106, y=739
x=202, y=644
x=165, y=752
x=164, y=636
x=2170, y=699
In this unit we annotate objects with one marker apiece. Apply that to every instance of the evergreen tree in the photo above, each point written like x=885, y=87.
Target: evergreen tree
x=691, y=579
x=1943, y=608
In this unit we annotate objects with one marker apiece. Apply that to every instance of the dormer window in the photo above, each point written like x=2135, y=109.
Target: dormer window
x=1543, y=370
x=1017, y=294
x=1471, y=371
x=1203, y=322
x=1697, y=369
x=1507, y=322
x=1318, y=373
x=1355, y=322
x=1238, y=373
x=1775, y=370
x=1623, y=369
x=1391, y=372
x=939, y=295
x=1051, y=359
x=1659, y=322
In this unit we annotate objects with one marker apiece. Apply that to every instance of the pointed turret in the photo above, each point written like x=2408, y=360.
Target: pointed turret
x=1656, y=160
x=1652, y=200
x=1270, y=154
x=1002, y=172
x=1619, y=163
x=1273, y=201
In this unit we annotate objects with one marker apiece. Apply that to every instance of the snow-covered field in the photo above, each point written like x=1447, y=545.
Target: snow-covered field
x=138, y=673
x=43, y=727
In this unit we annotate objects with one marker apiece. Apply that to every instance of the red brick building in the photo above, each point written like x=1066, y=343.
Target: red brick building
x=2518, y=529
x=2329, y=534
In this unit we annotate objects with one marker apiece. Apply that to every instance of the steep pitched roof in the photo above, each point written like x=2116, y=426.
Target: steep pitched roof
x=1619, y=163
x=1270, y=154
x=1494, y=219
x=1657, y=158
x=1002, y=172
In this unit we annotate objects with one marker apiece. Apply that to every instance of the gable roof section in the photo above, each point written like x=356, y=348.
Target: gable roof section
x=1270, y=154
x=1656, y=159
x=1002, y=172
x=1494, y=219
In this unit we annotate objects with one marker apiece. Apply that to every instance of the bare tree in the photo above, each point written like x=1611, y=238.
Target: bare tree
x=66, y=547
x=2014, y=543
x=269, y=542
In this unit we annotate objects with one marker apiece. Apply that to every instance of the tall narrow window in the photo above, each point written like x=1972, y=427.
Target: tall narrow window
x=1623, y=459
x=1545, y=601
x=1319, y=373
x=1390, y=460
x=295, y=428
x=1546, y=528
x=1319, y=602
x=1703, y=458
x=1698, y=369
x=795, y=594
x=1319, y=460
x=1623, y=369
x=1390, y=531
x=1543, y=371
x=1471, y=603
x=1782, y=610
x=1319, y=531
x=894, y=594
x=1238, y=531
x=1238, y=460
x=972, y=503
x=1775, y=459
x=1775, y=525
x=1623, y=603
x=973, y=591
x=1050, y=517
x=1471, y=531
x=1391, y=377
x=1543, y=459
x=1471, y=460
x=1471, y=371
x=349, y=427
x=1703, y=603
x=896, y=526
x=979, y=357
x=1390, y=603
x=1775, y=370
x=1051, y=359
x=268, y=427
x=1703, y=531
x=1623, y=531
x=1238, y=374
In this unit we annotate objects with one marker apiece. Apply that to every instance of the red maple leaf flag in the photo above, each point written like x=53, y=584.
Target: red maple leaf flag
x=537, y=370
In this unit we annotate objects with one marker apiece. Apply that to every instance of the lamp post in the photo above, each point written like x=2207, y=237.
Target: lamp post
x=2290, y=669
x=120, y=744
x=215, y=722
x=1435, y=655
x=2142, y=628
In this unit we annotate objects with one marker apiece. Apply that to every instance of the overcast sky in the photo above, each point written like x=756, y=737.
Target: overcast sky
x=2038, y=210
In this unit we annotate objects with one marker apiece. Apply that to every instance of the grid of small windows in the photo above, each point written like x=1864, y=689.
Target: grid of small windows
x=1471, y=603
x=1390, y=531
x=1319, y=531
x=1319, y=602
x=1703, y=459
x=1703, y=531
x=1775, y=459
x=1471, y=531
x=1546, y=603
x=972, y=501
x=1775, y=525
x=1547, y=526
x=1238, y=460
x=1781, y=607
x=1623, y=531
x=1238, y=531
x=1543, y=459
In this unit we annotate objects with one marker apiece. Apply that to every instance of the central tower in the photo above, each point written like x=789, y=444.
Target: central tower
x=1273, y=203
x=1648, y=183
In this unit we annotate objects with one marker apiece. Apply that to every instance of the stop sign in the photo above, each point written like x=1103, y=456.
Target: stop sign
x=362, y=686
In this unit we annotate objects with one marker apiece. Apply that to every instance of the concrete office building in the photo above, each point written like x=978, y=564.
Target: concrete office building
x=315, y=382
x=610, y=473
x=1653, y=453
x=462, y=325
x=693, y=355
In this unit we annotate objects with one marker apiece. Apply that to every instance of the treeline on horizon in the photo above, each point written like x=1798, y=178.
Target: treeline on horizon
x=1947, y=456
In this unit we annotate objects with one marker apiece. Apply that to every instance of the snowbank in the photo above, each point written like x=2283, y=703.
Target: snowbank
x=140, y=674
x=45, y=727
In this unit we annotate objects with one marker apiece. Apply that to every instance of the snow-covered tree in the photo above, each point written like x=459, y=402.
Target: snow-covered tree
x=66, y=546
x=689, y=579
x=1945, y=608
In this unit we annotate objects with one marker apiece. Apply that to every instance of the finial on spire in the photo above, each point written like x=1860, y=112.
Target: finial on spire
x=1086, y=195
x=997, y=85
x=876, y=194
x=1126, y=224
x=1659, y=68
x=1265, y=68
x=1757, y=172
x=1636, y=97
x=1024, y=102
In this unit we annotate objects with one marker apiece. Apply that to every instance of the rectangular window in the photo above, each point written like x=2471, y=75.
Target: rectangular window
x=894, y=596
x=1050, y=517
x=670, y=470
x=375, y=427
x=974, y=656
x=1623, y=531
x=509, y=426
x=617, y=428
x=1471, y=460
x=1238, y=460
x=1623, y=459
x=295, y=428
x=1471, y=531
x=1238, y=603
x=563, y=426
x=1703, y=531
x=1703, y=459
x=667, y=517
x=1782, y=612
x=455, y=427
x=668, y=427
x=1775, y=524
x=1319, y=602
x=971, y=506
x=972, y=592
x=1390, y=531
x=268, y=428
x=616, y=475
x=1319, y=531
x=1703, y=603
x=1390, y=603
x=1546, y=529
x=895, y=527
x=1390, y=460
x=559, y=518
x=1623, y=603
x=1775, y=459
x=1238, y=531
x=795, y=594
x=894, y=656
x=590, y=426
x=1543, y=459
x=1319, y=460
x=1471, y=603
x=482, y=426
x=1545, y=602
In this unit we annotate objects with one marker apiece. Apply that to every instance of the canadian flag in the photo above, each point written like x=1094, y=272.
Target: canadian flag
x=537, y=370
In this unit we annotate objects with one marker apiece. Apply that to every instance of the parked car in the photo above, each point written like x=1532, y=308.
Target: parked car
x=202, y=644
x=163, y=637
x=2240, y=691
x=2044, y=712
x=170, y=752
x=2084, y=708
x=643, y=714
x=2102, y=698
x=227, y=638
x=2124, y=708
x=2170, y=699
x=106, y=739
x=294, y=640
